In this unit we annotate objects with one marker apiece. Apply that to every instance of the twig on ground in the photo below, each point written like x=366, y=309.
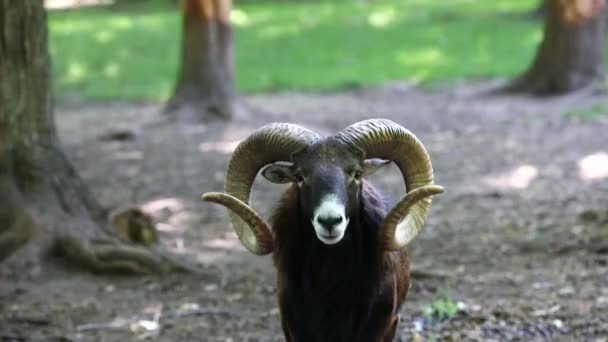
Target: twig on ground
x=424, y=274
x=30, y=320
x=200, y=312
x=547, y=312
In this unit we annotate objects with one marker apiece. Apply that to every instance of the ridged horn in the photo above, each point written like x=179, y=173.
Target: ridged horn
x=380, y=138
x=271, y=143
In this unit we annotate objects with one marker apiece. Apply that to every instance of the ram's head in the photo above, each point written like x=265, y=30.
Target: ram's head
x=329, y=173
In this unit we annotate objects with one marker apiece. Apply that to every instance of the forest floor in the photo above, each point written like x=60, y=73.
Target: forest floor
x=518, y=244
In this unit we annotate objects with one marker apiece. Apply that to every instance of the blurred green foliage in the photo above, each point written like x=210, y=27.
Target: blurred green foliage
x=132, y=51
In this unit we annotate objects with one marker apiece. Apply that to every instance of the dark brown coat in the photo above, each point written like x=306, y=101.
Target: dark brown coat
x=348, y=292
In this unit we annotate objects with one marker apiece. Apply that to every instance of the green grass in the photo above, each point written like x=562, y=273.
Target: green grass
x=587, y=113
x=132, y=52
x=441, y=308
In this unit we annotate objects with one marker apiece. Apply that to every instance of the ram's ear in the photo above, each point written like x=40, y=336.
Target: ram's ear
x=279, y=173
x=373, y=165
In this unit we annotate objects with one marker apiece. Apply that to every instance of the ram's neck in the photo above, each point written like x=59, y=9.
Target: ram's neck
x=300, y=254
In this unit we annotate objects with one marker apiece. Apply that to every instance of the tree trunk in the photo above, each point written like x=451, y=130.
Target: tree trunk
x=571, y=55
x=44, y=205
x=541, y=9
x=205, y=88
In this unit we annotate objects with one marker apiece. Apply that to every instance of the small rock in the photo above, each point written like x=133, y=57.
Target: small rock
x=211, y=287
x=589, y=215
x=602, y=300
x=188, y=307
x=417, y=338
x=234, y=297
x=566, y=291
x=418, y=326
x=475, y=307
x=120, y=135
x=578, y=229
x=152, y=286
x=558, y=323
x=144, y=325
x=461, y=306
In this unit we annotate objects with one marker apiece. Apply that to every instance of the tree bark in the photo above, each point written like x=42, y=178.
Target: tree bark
x=44, y=205
x=571, y=55
x=541, y=10
x=205, y=88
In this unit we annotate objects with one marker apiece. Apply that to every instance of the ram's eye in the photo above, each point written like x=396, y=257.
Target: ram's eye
x=298, y=177
x=357, y=175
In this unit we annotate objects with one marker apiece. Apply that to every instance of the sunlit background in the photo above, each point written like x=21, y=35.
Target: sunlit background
x=127, y=50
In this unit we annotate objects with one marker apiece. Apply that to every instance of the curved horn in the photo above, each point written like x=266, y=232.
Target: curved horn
x=269, y=144
x=380, y=138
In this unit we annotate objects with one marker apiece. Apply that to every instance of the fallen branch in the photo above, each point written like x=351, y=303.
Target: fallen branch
x=115, y=324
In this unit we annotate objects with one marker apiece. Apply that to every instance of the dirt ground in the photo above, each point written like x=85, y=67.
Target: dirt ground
x=519, y=241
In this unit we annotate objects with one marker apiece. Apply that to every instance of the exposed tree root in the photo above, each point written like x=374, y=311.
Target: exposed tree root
x=57, y=216
x=546, y=86
x=25, y=261
x=111, y=257
x=11, y=240
x=571, y=55
x=95, y=250
x=191, y=106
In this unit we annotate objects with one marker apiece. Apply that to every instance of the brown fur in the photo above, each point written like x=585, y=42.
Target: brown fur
x=351, y=291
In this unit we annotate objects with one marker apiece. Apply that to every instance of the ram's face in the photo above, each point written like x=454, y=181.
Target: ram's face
x=329, y=177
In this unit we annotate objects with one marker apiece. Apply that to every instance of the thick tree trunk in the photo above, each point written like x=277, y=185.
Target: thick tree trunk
x=571, y=55
x=541, y=10
x=205, y=88
x=44, y=205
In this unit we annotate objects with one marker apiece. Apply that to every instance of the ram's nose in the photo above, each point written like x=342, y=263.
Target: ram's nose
x=329, y=222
